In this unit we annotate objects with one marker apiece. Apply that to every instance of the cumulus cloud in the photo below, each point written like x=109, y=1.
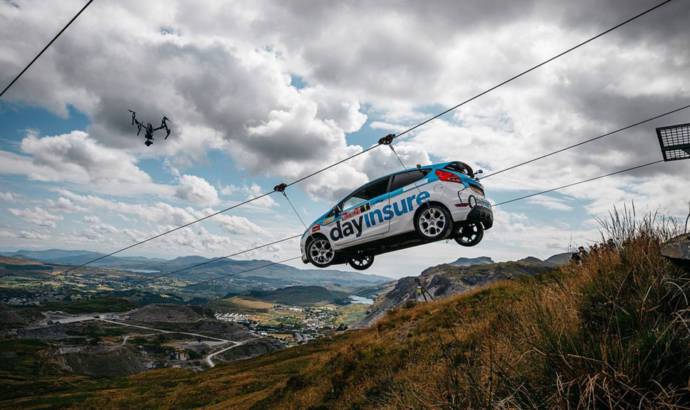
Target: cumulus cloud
x=32, y=235
x=63, y=204
x=550, y=202
x=228, y=190
x=77, y=158
x=37, y=216
x=8, y=196
x=196, y=190
x=163, y=215
x=231, y=88
x=239, y=225
x=255, y=190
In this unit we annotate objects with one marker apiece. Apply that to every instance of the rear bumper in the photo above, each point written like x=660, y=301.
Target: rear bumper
x=483, y=215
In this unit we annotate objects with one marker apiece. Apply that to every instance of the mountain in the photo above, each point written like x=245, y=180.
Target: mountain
x=559, y=259
x=230, y=273
x=449, y=279
x=482, y=260
x=569, y=338
x=78, y=257
x=531, y=260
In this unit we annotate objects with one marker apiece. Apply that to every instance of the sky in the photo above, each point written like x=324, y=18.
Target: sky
x=264, y=92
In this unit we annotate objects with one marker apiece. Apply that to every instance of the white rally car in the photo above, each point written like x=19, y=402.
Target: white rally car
x=400, y=210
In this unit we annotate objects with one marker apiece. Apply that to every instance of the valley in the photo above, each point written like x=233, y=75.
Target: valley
x=108, y=321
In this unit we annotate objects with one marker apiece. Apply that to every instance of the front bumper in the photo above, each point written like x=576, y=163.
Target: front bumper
x=483, y=215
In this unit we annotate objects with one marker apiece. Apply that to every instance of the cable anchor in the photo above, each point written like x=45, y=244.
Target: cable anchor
x=387, y=140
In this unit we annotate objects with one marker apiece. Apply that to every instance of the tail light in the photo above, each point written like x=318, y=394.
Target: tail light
x=447, y=176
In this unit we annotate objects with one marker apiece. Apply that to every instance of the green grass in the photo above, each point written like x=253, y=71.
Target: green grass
x=96, y=305
x=612, y=332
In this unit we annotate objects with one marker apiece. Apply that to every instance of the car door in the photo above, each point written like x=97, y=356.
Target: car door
x=402, y=186
x=363, y=218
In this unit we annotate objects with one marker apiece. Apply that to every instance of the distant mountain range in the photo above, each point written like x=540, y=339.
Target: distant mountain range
x=218, y=277
x=482, y=260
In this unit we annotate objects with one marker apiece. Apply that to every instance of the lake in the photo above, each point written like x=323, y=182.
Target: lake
x=361, y=300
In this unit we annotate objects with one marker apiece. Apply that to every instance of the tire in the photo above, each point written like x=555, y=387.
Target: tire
x=433, y=222
x=469, y=234
x=320, y=252
x=361, y=262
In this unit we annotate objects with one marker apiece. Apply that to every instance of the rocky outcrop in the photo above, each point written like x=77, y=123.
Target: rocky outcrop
x=482, y=260
x=449, y=279
x=99, y=361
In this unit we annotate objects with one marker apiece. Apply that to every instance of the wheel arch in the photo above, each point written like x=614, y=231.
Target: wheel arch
x=313, y=236
x=424, y=205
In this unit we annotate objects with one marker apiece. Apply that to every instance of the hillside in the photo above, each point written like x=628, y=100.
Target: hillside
x=612, y=330
x=449, y=279
x=301, y=295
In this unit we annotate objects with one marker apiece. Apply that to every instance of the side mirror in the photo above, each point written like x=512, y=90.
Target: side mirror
x=479, y=172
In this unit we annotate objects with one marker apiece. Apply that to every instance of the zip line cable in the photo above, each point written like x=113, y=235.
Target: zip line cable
x=295, y=210
x=494, y=205
x=301, y=179
x=221, y=258
x=169, y=231
x=45, y=48
x=515, y=77
x=627, y=127
x=577, y=183
x=297, y=181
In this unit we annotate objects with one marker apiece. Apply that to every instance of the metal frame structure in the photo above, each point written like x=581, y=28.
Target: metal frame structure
x=674, y=141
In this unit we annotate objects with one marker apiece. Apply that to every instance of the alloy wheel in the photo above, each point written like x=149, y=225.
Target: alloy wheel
x=432, y=222
x=321, y=252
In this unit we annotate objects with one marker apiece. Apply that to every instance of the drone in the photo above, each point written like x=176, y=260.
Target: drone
x=148, y=128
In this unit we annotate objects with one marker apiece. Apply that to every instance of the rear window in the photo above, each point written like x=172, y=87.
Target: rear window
x=460, y=167
x=406, y=178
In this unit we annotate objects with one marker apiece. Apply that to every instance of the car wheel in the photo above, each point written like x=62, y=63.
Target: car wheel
x=433, y=222
x=469, y=234
x=321, y=253
x=361, y=262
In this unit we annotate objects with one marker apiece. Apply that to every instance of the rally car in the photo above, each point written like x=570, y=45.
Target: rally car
x=408, y=208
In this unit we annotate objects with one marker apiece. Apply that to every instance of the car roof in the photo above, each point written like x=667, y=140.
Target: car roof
x=379, y=179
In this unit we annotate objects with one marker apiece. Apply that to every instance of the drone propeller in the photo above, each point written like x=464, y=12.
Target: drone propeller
x=164, y=124
x=134, y=116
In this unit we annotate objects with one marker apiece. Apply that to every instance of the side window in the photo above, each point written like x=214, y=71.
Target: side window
x=406, y=178
x=366, y=193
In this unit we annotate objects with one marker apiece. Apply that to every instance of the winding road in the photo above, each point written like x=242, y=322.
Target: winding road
x=208, y=359
x=167, y=331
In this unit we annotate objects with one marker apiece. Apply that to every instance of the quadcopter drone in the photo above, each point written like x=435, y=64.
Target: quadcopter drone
x=148, y=128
